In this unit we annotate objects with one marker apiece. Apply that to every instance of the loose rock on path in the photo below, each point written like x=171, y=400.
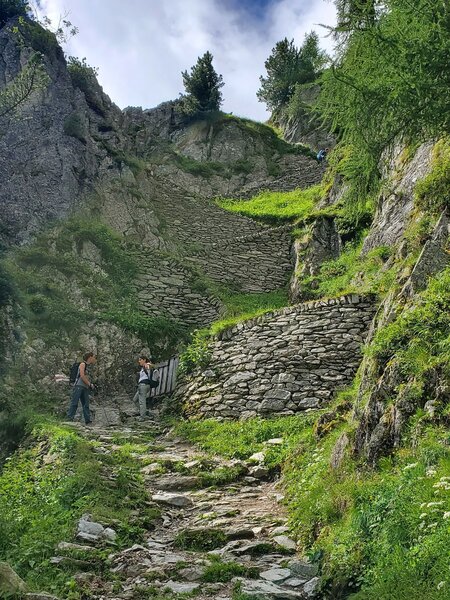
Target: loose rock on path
x=207, y=541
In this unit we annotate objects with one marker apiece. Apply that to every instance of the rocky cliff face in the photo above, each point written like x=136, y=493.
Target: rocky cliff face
x=69, y=155
x=51, y=150
x=304, y=127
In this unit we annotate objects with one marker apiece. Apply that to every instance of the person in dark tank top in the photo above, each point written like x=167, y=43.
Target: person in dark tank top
x=82, y=386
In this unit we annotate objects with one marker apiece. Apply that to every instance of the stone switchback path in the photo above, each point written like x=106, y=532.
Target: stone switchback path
x=220, y=528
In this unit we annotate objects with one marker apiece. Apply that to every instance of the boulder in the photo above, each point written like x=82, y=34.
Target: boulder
x=10, y=582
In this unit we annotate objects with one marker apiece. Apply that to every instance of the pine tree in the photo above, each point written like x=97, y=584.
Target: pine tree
x=289, y=66
x=202, y=87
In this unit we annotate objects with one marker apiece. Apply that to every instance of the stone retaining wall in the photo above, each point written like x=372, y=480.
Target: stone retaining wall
x=260, y=262
x=165, y=288
x=283, y=362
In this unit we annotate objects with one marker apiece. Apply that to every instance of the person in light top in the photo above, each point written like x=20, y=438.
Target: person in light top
x=148, y=379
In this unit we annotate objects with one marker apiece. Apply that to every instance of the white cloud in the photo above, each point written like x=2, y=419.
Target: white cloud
x=141, y=46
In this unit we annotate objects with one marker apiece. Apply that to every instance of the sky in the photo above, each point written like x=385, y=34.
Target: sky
x=140, y=47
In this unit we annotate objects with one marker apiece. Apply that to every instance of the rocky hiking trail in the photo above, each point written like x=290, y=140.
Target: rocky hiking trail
x=209, y=541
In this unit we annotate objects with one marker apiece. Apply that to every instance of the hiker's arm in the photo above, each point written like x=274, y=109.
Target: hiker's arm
x=84, y=378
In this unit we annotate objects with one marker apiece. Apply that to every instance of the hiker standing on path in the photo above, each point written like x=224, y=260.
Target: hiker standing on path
x=322, y=154
x=148, y=379
x=81, y=389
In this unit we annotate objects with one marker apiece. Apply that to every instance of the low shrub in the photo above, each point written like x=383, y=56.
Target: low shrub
x=431, y=192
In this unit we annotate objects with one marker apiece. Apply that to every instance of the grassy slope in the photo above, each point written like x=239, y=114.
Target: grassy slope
x=48, y=484
x=277, y=207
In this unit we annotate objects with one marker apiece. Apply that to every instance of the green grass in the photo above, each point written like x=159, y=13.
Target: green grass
x=241, y=307
x=219, y=571
x=48, y=484
x=419, y=339
x=277, y=207
x=242, y=439
x=351, y=273
x=200, y=540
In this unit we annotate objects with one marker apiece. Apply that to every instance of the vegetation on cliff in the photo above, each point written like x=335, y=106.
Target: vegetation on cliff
x=202, y=85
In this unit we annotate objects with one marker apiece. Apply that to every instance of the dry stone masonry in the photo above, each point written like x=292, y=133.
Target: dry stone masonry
x=164, y=287
x=204, y=242
x=283, y=362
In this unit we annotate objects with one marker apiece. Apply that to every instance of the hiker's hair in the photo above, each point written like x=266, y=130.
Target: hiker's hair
x=143, y=357
x=87, y=356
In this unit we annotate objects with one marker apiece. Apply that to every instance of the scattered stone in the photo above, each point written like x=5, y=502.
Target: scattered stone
x=76, y=547
x=40, y=597
x=259, y=472
x=294, y=582
x=191, y=464
x=151, y=469
x=192, y=573
x=86, y=526
x=275, y=575
x=155, y=545
x=109, y=534
x=177, y=482
x=275, y=442
x=258, y=457
x=181, y=588
x=279, y=530
x=264, y=590
x=69, y=561
x=285, y=542
x=172, y=499
x=303, y=569
x=310, y=587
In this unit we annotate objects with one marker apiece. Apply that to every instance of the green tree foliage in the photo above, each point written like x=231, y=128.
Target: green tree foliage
x=202, y=86
x=390, y=78
x=13, y=8
x=289, y=66
x=355, y=14
x=31, y=78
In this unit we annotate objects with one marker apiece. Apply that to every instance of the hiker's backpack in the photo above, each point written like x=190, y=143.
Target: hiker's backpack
x=153, y=382
x=74, y=372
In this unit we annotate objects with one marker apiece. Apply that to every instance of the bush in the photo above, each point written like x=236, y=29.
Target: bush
x=41, y=500
x=419, y=338
x=197, y=354
x=432, y=192
x=38, y=304
x=7, y=287
x=84, y=77
x=378, y=87
x=42, y=40
x=75, y=126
